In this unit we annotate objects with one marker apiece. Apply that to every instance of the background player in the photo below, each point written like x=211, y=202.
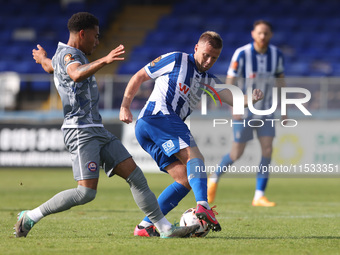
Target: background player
x=160, y=128
x=89, y=143
x=259, y=65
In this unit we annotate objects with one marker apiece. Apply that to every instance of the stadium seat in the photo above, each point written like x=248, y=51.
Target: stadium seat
x=297, y=69
x=40, y=86
x=309, y=27
x=131, y=67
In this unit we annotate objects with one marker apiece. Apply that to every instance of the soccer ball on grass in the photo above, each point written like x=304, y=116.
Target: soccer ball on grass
x=189, y=218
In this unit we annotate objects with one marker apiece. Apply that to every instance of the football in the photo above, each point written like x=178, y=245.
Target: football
x=189, y=218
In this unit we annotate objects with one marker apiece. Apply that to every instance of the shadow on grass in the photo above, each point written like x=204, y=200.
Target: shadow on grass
x=276, y=238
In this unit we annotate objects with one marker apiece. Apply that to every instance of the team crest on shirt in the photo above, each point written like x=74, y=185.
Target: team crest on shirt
x=153, y=63
x=68, y=58
x=92, y=166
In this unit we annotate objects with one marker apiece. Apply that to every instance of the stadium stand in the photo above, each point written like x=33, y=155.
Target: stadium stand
x=307, y=31
x=23, y=24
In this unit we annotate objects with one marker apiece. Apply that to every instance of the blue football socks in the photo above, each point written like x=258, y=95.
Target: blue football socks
x=197, y=178
x=225, y=163
x=262, y=177
x=170, y=197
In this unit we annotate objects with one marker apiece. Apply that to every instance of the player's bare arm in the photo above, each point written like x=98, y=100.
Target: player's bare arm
x=40, y=57
x=133, y=86
x=227, y=97
x=79, y=72
x=230, y=80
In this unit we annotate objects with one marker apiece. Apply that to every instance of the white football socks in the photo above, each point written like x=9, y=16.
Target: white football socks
x=258, y=194
x=35, y=214
x=204, y=203
x=163, y=225
x=145, y=224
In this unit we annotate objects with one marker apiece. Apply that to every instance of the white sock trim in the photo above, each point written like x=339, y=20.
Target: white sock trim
x=204, y=203
x=145, y=224
x=258, y=194
x=35, y=214
x=163, y=225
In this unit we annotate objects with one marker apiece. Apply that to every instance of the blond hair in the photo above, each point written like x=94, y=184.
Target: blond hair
x=213, y=38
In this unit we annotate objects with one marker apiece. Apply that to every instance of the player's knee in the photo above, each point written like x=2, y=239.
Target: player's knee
x=235, y=155
x=137, y=179
x=85, y=195
x=185, y=183
x=267, y=152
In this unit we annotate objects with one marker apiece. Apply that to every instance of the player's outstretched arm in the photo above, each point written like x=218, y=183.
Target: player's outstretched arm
x=79, y=72
x=40, y=57
x=136, y=80
x=227, y=97
x=257, y=95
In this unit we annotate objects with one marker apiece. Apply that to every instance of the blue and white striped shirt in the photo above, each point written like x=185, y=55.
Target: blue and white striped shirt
x=178, y=85
x=258, y=71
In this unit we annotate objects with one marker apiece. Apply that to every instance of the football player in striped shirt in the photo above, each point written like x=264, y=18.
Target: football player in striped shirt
x=160, y=128
x=259, y=65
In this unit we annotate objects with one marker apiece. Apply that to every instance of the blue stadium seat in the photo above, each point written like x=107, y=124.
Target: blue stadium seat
x=141, y=53
x=4, y=66
x=40, y=86
x=310, y=27
x=131, y=67
x=336, y=69
x=220, y=68
x=297, y=69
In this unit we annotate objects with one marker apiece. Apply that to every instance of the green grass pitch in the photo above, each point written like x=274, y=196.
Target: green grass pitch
x=305, y=221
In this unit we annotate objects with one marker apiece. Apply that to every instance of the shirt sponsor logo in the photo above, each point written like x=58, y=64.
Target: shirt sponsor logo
x=183, y=88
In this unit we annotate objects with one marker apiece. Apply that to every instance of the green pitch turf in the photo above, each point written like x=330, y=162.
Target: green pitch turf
x=306, y=220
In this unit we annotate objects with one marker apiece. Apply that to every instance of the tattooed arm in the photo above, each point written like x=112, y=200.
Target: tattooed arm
x=79, y=72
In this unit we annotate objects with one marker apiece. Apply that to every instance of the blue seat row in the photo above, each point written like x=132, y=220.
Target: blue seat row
x=23, y=24
x=307, y=31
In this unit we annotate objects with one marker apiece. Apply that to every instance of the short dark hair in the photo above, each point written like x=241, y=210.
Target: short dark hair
x=81, y=21
x=262, y=21
x=213, y=38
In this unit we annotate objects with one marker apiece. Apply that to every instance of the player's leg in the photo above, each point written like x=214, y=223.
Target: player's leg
x=173, y=194
x=242, y=134
x=85, y=165
x=265, y=134
x=147, y=202
x=170, y=197
x=162, y=136
x=262, y=177
x=194, y=174
x=60, y=202
x=143, y=196
x=236, y=152
x=117, y=160
x=197, y=178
